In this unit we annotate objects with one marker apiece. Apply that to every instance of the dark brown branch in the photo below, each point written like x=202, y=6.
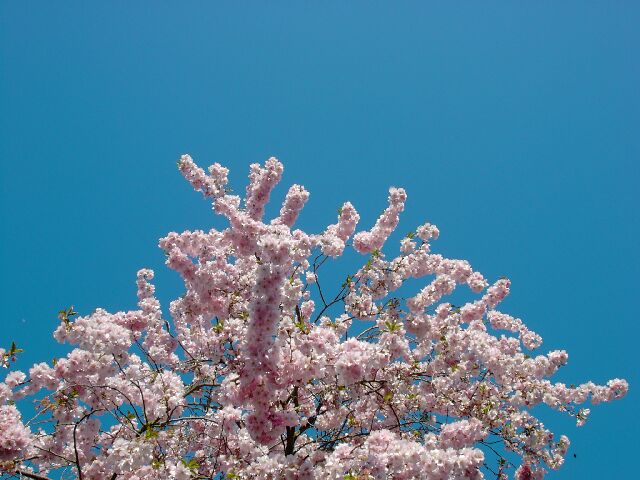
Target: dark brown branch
x=35, y=476
x=291, y=441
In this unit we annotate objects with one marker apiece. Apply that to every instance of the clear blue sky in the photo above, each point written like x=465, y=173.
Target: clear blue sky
x=513, y=126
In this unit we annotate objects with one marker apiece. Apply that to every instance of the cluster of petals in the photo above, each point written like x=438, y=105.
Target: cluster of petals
x=265, y=370
x=14, y=436
x=368, y=241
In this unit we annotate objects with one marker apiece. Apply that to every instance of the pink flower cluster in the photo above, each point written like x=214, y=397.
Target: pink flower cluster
x=366, y=242
x=463, y=433
x=384, y=455
x=14, y=436
x=264, y=369
x=357, y=360
x=334, y=239
x=211, y=185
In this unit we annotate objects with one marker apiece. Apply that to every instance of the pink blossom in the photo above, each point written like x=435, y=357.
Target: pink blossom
x=212, y=185
x=264, y=369
x=14, y=436
x=463, y=433
x=365, y=242
x=14, y=378
x=296, y=197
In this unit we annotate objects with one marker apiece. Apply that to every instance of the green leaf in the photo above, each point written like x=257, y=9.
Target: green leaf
x=302, y=326
x=12, y=351
x=191, y=464
x=149, y=432
x=392, y=327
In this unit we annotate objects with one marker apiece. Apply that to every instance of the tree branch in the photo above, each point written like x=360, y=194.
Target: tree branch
x=35, y=476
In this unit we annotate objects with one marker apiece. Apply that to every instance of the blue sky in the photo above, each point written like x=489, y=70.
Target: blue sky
x=513, y=127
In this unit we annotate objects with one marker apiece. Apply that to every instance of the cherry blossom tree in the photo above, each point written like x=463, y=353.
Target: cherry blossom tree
x=264, y=371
